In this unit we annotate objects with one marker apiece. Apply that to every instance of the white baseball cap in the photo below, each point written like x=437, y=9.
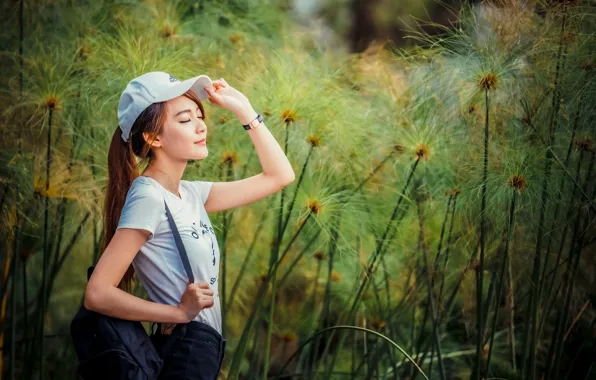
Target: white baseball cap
x=154, y=87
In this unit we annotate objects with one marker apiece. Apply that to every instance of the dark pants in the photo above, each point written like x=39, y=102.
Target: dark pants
x=193, y=351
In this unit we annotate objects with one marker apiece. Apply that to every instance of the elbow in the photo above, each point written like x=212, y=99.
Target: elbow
x=91, y=299
x=288, y=179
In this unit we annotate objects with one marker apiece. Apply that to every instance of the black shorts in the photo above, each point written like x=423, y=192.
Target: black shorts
x=193, y=351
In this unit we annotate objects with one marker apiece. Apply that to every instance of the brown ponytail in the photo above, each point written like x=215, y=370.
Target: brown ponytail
x=123, y=168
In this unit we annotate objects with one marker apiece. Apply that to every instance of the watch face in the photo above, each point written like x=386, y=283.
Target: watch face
x=254, y=123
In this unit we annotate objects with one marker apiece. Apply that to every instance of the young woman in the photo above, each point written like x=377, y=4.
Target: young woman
x=163, y=120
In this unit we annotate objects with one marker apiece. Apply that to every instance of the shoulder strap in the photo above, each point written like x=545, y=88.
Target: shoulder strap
x=179, y=244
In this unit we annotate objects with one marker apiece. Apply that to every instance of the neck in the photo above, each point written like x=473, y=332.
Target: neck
x=168, y=174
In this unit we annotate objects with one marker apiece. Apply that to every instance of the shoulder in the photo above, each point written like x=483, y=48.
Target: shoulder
x=143, y=207
x=143, y=187
x=199, y=188
x=200, y=185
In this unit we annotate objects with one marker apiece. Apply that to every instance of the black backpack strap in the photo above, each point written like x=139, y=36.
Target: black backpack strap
x=179, y=244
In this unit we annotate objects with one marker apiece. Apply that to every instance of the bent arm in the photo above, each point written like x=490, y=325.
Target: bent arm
x=273, y=159
x=277, y=171
x=103, y=295
x=117, y=303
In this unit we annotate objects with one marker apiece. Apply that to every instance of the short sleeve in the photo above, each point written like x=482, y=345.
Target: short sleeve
x=204, y=188
x=143, y=209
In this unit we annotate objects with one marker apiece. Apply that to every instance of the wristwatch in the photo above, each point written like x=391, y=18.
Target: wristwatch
x=255, y=123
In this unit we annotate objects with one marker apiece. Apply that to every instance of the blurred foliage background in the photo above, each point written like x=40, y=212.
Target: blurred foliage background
x=441, y=224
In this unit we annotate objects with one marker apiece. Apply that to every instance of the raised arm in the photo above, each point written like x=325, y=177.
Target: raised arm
x=277, y=171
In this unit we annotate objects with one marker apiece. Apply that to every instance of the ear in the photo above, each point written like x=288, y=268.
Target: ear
x=152, y=139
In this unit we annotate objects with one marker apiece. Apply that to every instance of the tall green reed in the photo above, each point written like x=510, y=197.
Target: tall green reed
x=518, y=183
x=288, y=118
x=531, y=329
x=421, y=153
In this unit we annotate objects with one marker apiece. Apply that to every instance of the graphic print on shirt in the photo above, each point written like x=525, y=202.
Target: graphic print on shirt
x=205, y=229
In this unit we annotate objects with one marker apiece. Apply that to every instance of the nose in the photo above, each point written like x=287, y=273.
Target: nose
x=201, y=126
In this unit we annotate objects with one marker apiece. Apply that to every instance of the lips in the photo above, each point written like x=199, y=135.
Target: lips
x=201, y=141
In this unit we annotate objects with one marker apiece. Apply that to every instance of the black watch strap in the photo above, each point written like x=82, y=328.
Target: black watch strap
x=259, y=119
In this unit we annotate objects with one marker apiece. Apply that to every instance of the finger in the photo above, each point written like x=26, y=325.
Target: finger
x=212, y=93
x=201, y=294
x=208, y=292
x=206, y=301
x=196, y=297
x=203, y=285
x=207, y=304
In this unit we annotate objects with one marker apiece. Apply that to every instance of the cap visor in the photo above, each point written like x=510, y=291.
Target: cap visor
x=196, y=84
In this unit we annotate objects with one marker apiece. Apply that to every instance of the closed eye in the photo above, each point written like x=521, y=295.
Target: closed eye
x=200, y=117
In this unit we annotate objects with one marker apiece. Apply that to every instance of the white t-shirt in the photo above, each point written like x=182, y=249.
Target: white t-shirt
x=158, y=264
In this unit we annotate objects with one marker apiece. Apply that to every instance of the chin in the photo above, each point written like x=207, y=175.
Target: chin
x=201, y=155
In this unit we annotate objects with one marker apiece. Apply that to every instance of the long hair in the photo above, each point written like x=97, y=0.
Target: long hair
x=123, y=168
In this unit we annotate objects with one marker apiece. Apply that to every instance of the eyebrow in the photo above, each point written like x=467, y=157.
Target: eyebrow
x=184, y=111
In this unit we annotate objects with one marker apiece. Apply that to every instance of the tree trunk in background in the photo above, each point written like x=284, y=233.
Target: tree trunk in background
x=364, y=25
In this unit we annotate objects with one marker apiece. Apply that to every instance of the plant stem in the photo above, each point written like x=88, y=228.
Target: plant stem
x=298, y=257
x=511, y=296
x=348, y=328
x=60, y=259
x=13, y=305
x=480, y=272
x=235, y=365
x=562, y=188
x=46, y=247
x=287, y=219
x=433, y=315
x=436, y=261
x=447, y=249
x=577, y=242
x=378, y=251
x=552, y=295
x=531, y=328
x=504, y=261
x=324, y=320
x=227, y=220
x=247, y=257
x=274, y=257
